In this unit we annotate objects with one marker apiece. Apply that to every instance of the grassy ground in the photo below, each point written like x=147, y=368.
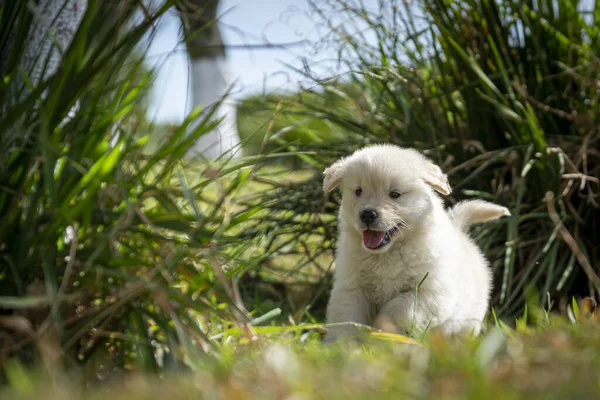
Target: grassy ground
x=554, y=359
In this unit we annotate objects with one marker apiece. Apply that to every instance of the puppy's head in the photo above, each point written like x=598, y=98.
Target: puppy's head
x=386, y=192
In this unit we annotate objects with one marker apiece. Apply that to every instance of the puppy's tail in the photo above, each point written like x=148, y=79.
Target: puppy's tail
x=467, y=213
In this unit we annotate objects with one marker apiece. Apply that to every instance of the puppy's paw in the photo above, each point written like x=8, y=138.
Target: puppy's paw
x=329, y=339
x=346, y=333
x=386, y=324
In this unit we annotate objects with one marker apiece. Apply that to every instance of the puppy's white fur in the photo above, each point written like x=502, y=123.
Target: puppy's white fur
x=380, y=284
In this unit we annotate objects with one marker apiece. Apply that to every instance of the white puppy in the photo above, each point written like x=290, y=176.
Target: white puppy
x=394, y=232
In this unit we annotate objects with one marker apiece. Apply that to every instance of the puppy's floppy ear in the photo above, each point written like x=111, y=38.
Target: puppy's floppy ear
x=333, y=175
x=434, y=177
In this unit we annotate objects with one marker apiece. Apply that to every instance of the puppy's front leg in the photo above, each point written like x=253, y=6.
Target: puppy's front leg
x=347, y=304
x=406, y=313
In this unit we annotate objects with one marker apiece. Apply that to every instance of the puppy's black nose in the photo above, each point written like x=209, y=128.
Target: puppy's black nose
x=368, y=216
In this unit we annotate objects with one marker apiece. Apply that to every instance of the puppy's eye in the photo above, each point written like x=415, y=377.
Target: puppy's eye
x=394, y=195
x=358, y=192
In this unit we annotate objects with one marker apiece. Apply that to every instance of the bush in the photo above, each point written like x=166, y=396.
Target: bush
x=266, y=123
x=504, y=95
x=108, y=253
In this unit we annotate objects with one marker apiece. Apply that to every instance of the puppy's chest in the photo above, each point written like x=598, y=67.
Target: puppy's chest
x=383, y=278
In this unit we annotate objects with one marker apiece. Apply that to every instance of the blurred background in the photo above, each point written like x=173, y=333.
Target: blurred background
x=163, y=231
x=248, y=29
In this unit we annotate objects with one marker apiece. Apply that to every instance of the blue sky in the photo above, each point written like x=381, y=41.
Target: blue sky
x=242, y=22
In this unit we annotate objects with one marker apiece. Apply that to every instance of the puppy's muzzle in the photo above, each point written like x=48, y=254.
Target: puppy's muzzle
x=368, y=216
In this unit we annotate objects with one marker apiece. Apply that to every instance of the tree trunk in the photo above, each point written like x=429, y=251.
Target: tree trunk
x=210, y=76
x=54, y=25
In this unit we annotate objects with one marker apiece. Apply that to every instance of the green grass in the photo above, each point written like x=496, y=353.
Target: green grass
x=549, y=359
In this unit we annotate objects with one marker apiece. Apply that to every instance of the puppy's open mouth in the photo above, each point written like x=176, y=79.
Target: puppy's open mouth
x=377, y=239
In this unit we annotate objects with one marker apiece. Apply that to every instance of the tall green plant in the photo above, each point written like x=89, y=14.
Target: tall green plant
x=107, y=252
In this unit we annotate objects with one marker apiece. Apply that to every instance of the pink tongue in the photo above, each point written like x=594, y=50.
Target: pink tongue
x=372, y=239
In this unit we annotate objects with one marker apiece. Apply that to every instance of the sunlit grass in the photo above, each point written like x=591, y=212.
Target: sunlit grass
x=551, y=359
